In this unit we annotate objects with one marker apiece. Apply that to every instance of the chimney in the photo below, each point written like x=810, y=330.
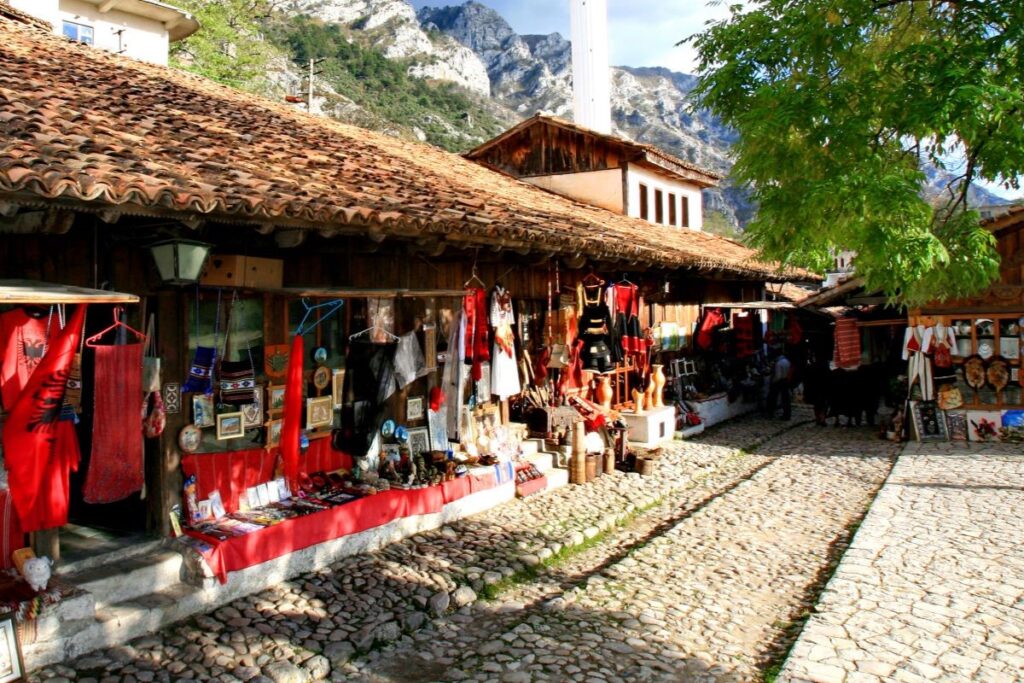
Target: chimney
x=591, y=79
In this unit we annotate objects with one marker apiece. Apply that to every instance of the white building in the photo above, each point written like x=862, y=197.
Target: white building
x=143, y=29
x=603, y=170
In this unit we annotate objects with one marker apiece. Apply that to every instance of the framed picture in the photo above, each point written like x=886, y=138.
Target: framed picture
x=437, y=422
x=230, y=426
x=274, y=433
x=172, y=398
x=956, y=421
x=202, y=411
x=275, y=399
x=929, y=422
x=414, y=408
x=419, y=441
x=338, y=387
x=319, y=412
x=12, y=666
x=253, y=412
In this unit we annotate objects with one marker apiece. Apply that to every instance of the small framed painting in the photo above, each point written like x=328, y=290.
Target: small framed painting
x=12, y=666
x=338, y=387
x=419, y=441
x=274, y=433
x=203, y=414
x=275, y=398
x=253, y=412
x=319, y=412
x=230, y=426
x=956, y=421
x=414, y=408
x=437, y=421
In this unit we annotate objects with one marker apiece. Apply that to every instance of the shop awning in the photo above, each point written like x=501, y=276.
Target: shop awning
x=35, y=292
x=362, y=293
x=768, y=305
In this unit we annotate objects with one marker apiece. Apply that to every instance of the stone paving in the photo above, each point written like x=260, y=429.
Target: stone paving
x=695, y=570
x=932, y=588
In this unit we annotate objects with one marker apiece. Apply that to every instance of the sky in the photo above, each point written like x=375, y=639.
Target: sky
x=640, y=32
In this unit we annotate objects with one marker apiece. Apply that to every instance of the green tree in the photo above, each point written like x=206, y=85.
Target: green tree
x=839, y=103
x=228, y=47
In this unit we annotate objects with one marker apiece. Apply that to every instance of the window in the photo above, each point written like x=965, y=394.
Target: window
x=80, y=33
x=686, y=212
x=672, y=209
x=659, y=206
x=643, y=201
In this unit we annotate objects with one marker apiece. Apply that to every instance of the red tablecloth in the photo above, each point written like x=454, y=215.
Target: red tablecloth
x=233, y=472
x=301, y=532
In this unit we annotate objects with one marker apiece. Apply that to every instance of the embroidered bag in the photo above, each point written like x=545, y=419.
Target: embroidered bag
x=150, y=361
x=943, y=358
x=153, y=424
x=237, y=378
x=200, y=373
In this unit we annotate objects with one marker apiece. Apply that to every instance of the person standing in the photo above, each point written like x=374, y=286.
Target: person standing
x=779, y=388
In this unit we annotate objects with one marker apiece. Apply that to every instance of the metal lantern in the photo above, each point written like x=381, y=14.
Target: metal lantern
x=180, y=262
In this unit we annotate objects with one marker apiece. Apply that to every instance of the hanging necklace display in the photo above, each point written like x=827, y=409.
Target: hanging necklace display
x=200, y=373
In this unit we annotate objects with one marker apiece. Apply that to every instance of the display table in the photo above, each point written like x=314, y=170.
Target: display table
x=364, y=513
x=651, y=427
x=717, y=408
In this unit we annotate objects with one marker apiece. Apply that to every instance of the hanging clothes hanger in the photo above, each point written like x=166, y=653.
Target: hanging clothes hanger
x=473, y=277
x=331, y=307
x=118, y=310
x=592, y=280
x=375, y=328
x=625, y=280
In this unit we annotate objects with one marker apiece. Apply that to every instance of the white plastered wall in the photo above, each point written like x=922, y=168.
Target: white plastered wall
x=636, y=175
x=598, y=188
x=141, y=38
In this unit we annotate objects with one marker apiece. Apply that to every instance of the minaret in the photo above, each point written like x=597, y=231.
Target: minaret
x=591, y=78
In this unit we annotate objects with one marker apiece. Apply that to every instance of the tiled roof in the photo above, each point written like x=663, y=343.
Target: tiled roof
x=641, y=149
x=94, y=131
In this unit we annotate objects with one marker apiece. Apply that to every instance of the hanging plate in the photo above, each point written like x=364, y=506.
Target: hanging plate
x=321, y=377
x=189, y=438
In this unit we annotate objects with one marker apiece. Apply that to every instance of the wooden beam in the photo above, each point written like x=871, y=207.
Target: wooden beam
x=107, y=6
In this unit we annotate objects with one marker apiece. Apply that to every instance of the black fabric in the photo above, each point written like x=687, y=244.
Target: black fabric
x=370, y=375
x=595, y=327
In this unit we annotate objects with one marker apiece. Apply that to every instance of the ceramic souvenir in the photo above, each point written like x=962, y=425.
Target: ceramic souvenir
x=189, y=438
x=320, y=355
x=37, y=572
x=388, y=428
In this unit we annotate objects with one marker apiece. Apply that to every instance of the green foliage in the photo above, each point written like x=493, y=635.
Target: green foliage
x=447, y=116
x=839, y=102
x=228, y=48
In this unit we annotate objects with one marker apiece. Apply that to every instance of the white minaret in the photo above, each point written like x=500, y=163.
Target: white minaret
x=591, y=78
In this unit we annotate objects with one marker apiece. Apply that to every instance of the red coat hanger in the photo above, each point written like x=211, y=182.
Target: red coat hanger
x=118, y=310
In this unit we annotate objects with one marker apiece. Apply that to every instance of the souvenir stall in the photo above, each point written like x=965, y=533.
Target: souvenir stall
x=56, y=381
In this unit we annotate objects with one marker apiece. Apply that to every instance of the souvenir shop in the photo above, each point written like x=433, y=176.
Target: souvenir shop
x=963, y=357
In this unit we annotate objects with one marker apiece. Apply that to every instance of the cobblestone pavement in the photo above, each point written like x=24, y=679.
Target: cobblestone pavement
x=693, y=570
x=932, y=588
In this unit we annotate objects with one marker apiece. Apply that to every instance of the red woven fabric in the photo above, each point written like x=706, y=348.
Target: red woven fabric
x=847, y=344
x=22, y=342
x=11, y=536
x=713, y=319
x=476, y=349
x=40, y=450
x=115, y=468
x=292, y=415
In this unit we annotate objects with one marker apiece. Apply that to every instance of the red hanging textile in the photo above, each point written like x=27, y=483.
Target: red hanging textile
x=115, y=468
x=292, y=427
x=40, y=449
x=476, y=350
x=713, y=319
x=22, y=345
x=847, y=344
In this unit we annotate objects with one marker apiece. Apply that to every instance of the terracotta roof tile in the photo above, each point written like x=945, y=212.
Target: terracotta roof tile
x=81, y=125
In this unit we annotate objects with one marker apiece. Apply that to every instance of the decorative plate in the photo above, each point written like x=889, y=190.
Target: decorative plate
x=388, y=428
x=985, y=349
x=974, y=372
x=401, y=434
x=320, y=355
x=998, y=374
x=189, y=438
x=321, y=377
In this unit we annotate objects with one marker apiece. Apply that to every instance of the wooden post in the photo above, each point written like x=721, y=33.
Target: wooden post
x=172, y=335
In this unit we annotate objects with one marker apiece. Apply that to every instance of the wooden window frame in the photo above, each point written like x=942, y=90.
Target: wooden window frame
x=686, y=212
x=672, y=213
x=659, y=207
x=644, y=208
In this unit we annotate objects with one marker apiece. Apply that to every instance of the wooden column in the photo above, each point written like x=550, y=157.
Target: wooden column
x=166, y=479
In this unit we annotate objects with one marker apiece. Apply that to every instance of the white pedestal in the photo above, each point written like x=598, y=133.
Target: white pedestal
x=652, y=427
x=717, y=408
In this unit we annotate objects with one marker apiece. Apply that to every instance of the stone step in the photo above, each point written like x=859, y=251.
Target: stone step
x=129, y=577
x=529, y=447
x=110, y=557
x=542, y=461
x=557, y=478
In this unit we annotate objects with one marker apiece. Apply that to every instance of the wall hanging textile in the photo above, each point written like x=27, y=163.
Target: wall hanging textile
x=712, y=320
x=370, y=374
x=115, y=468
x=846, y=353
x=40, y=450
x=200, y=373
x=743, y=323
x=919, y=366
x=504, y=366
x=292, y=426
x=236, y=379
x=409, y=363
x=23, y=334
x=624, y=300
x=474, y=310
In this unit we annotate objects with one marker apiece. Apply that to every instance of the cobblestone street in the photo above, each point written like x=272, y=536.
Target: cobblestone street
x=932, y=589
x=694, y=574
